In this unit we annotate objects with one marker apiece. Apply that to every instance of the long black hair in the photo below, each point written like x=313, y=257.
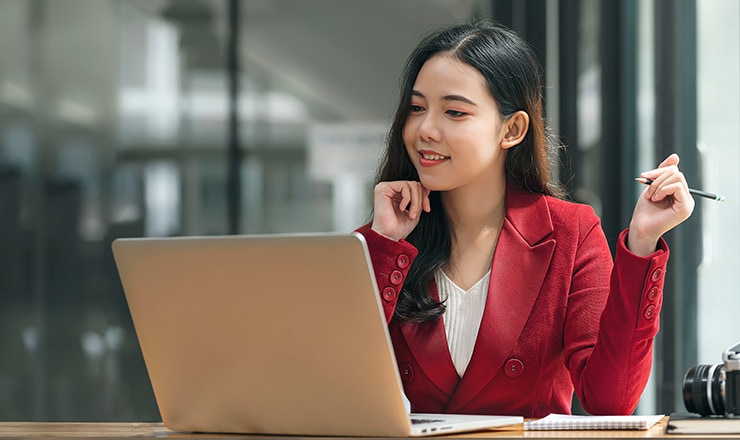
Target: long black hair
x=512, y=76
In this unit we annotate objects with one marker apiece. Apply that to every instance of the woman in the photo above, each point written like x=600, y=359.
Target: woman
x=501, y=297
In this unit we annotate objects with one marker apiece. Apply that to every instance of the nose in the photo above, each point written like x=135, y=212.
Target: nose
x=428, y=130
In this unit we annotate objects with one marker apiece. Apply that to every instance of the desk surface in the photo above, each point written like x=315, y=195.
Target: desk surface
x=158, y=431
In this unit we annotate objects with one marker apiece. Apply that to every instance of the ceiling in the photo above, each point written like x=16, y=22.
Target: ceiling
x=341, y=57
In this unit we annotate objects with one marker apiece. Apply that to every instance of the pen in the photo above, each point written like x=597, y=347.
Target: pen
x=696, y=192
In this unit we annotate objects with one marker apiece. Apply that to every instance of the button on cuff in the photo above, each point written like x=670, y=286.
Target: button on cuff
x=657, y=274
x=396, y=277
x=649, y=312
x=403, y=261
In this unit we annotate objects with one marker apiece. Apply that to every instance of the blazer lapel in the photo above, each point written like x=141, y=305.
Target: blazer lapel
x=520, y=262
x=428, y=345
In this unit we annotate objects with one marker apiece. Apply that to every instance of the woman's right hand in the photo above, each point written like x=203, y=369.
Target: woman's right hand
x=398, y=207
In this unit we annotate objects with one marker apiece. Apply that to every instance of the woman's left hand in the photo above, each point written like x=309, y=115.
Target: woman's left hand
x=663, y=205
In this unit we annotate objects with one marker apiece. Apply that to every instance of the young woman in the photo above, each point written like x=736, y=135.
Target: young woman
x=501, y=297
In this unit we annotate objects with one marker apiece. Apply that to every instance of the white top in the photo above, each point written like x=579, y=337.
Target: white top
x=462, y=316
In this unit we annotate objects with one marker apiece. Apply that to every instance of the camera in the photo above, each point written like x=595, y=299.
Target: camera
x=714, y=390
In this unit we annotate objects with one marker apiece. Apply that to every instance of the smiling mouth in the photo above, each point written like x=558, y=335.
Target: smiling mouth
x=427, y=156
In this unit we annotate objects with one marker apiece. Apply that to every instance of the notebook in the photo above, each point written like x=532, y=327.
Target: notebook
x=555, y=422
x=270, y=334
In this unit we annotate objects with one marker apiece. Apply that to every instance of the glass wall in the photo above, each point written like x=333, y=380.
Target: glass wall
x=114, y=123
x=719, y=146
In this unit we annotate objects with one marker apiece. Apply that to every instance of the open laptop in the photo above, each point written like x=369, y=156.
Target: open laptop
x=270, y=334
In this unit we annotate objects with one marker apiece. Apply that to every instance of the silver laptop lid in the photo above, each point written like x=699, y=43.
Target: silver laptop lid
x=280, y=334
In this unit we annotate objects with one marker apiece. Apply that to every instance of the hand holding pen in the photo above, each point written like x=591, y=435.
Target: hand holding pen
x=696, y=192
x=664, y=204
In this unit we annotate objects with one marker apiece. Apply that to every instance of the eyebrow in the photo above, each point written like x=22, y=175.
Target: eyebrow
x=446, y=97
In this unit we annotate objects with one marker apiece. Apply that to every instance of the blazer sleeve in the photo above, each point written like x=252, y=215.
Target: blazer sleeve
x=391, y=262
x=610, y=376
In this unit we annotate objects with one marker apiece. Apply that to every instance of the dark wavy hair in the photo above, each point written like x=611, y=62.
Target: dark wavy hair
x=513, y=79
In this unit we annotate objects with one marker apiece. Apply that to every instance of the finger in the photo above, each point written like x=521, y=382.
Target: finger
x=677, y=196
x=417, y=204
x=405, y=193
x=427, y=202
x=672, y=159
x=659, y=177
x=388, y=190
x=669, y=161
x=655, y=191
x=413, y=208
x=674, y=186
x=663, y=169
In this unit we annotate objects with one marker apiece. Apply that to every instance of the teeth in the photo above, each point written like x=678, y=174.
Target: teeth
x=433, y=157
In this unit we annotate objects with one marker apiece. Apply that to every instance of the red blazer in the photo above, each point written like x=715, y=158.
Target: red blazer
x=560, y=315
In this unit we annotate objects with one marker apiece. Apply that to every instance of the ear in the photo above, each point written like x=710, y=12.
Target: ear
x=514, y=128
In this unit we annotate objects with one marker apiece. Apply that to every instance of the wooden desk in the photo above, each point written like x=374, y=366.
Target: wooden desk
x=20, y=430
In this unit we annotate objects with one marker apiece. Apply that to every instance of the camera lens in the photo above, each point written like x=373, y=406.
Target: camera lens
x=704, y=389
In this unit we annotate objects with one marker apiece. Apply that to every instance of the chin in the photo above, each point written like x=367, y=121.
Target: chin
x=432, y=185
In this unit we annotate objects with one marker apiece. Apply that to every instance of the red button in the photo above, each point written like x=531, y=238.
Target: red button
x=396, y=277
x=657, y=273
x=407, y=371
x=652, y=293
x=514, y=368
x=403, y=261
x=649, y=312
x=389, y=294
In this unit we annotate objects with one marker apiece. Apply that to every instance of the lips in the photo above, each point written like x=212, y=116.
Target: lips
x=431, y=158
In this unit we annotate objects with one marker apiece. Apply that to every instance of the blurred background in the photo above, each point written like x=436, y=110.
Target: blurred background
x=123, y=118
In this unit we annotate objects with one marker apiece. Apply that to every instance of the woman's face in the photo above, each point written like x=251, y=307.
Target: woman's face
x=454, y=130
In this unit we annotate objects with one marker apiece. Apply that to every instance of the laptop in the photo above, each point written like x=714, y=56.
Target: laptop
x=270, y=334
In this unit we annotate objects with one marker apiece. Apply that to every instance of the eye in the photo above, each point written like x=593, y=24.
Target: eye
x=416, y=108
x=455, y=113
